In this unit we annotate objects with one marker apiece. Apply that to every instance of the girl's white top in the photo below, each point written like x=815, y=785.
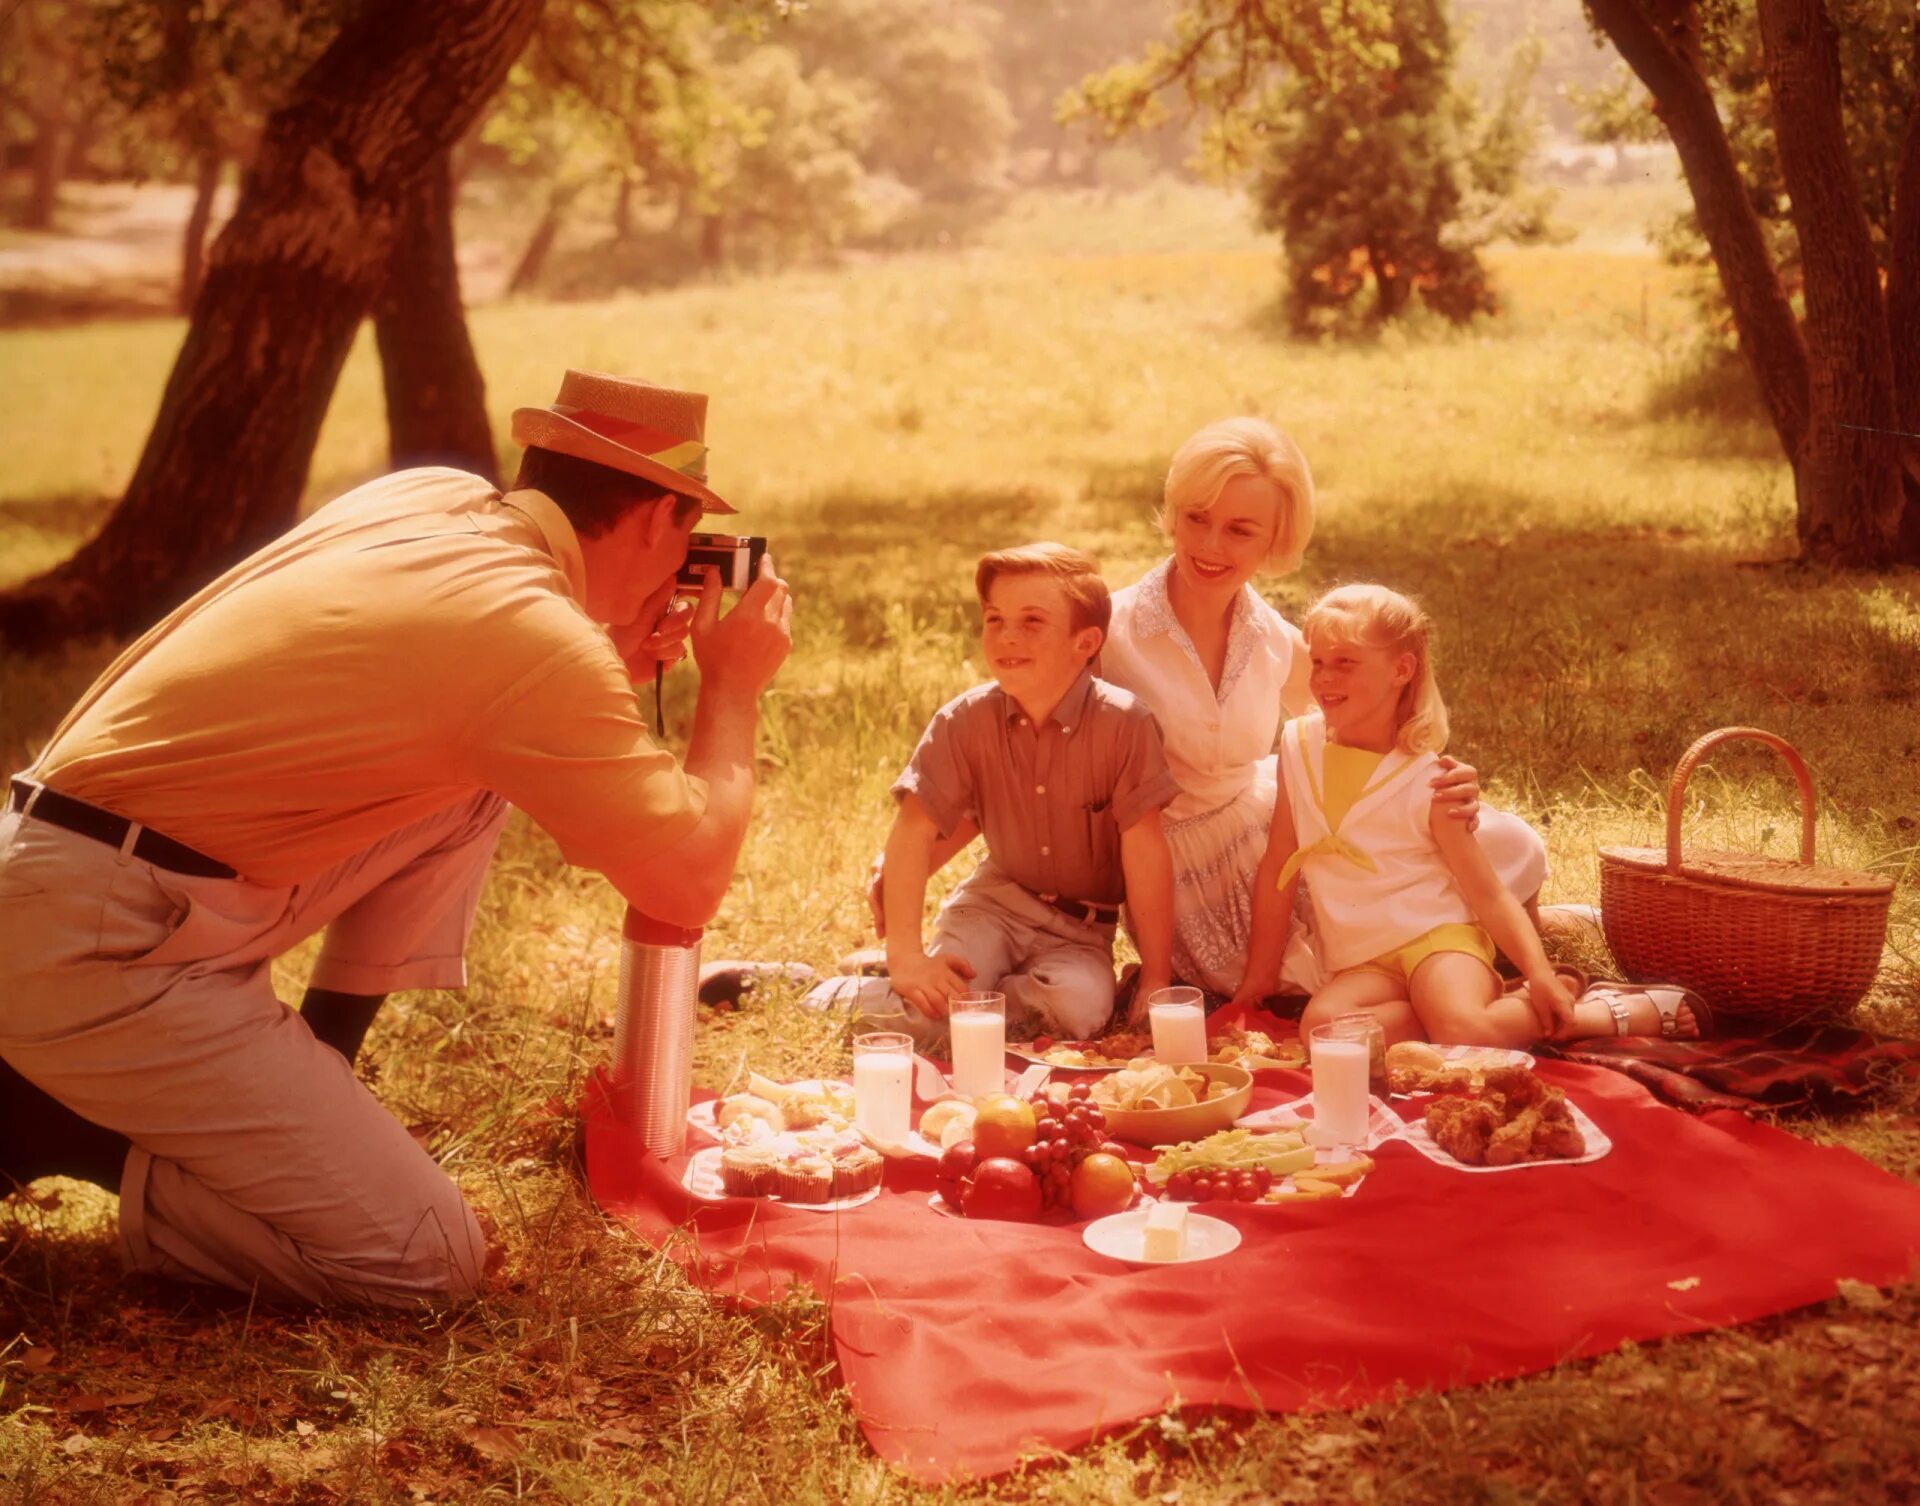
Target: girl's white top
x=1359, y=914
x=1214, y=739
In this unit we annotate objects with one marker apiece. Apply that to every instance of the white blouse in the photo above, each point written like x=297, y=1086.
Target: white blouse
x=1213, y=739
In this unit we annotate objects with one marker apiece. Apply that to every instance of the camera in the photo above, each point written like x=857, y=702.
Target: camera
x=735, y=556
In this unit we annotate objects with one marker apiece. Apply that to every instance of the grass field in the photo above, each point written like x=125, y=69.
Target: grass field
x=1608, y=584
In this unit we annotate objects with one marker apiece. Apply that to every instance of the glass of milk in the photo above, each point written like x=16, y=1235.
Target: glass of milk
x=883, y=1086
x=1179, y=1021
x=977, y=1029
x=1339, y=1052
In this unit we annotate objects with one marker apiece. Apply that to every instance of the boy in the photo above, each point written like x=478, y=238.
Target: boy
x=1066, y=776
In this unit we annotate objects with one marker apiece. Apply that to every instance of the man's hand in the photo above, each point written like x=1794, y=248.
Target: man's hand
x=1456, y=791
x=929, y=983
x=657, y=636
x=740, y=652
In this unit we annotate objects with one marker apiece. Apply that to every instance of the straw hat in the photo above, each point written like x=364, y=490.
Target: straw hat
x=628, y=425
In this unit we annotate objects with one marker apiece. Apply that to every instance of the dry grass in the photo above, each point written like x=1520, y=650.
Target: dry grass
x=1606, y=586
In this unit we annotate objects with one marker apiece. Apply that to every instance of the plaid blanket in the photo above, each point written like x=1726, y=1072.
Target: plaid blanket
x=1800, y=1067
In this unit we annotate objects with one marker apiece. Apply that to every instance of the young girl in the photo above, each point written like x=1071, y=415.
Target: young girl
x=1406, y=909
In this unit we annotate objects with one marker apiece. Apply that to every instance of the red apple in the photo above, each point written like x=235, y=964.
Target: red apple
x=956, y=1165
x=1001, y=1187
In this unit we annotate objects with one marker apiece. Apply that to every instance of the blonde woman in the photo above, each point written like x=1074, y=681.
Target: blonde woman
x=1407, y=909
x=1221, y=670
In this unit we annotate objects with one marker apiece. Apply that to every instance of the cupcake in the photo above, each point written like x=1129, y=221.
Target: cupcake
x=856, y=1169
x=749, y=1170
x=806, y=1179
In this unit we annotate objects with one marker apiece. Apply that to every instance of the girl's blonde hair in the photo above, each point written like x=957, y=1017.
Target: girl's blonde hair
x=1203, y=466
x=1380, y=618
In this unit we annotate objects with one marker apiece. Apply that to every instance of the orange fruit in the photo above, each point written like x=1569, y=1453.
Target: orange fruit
x=1002, y=1126
x=1102, y=1184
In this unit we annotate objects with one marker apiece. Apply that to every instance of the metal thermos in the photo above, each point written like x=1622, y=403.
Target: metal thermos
x=653, y=1030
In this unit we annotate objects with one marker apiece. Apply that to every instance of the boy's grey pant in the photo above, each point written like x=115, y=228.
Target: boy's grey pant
x=1056, y=972
x=142, y=999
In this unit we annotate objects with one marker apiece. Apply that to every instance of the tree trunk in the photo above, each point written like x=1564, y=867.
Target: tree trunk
x=1847, y=470
x=193, y=249
x=533, y=260
x=623, y=210
x=1903, y=314
x=49, y=168
x=1661, y=48
x=291, y=277
x=436, y=398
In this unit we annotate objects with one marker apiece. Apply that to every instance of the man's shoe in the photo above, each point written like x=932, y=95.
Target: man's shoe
x=725, y=982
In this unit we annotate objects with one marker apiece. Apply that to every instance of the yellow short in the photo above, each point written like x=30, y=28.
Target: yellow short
x=1399, y=963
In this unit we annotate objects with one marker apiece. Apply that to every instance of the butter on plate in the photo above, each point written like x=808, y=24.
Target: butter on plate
x=1164, y=1235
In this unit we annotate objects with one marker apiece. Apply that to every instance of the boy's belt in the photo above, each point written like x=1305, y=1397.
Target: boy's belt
x=1081, y=909
x=74, y=815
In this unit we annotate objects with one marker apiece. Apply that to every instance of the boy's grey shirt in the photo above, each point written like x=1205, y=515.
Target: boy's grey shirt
x=1051, y=800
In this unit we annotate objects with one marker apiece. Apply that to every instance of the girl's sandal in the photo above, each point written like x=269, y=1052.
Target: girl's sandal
x=1666, y=1000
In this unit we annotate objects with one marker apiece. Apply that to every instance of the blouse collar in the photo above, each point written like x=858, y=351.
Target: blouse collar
x=1153, y=615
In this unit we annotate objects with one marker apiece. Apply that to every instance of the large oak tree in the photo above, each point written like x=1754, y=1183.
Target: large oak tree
x=339, y=182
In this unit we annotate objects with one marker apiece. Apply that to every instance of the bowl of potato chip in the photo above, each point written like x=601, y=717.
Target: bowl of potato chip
x=1151, y=1104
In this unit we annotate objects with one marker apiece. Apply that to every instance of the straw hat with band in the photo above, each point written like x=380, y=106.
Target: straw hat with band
x=630, y=425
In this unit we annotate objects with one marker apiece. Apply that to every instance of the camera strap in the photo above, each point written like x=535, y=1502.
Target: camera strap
x=659, y=706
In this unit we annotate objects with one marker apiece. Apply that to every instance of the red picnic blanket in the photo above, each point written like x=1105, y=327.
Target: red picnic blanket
x=966, y=1344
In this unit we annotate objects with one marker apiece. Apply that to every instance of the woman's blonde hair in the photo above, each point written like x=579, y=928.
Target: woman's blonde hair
x=1380, y=618
x=1202, y=467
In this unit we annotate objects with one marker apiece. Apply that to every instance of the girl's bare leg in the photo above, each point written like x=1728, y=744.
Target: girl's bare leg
x=1458, y=1001
x=1362, y=990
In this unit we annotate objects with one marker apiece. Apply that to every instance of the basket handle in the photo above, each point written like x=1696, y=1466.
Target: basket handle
x=1676, y=792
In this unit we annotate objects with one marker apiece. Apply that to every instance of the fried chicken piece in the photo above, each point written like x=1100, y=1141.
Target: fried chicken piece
x=1428, y=1080
x=1512, y=1143
x=1558, y=1140
x=1462, y=1127
x=1517, y=1088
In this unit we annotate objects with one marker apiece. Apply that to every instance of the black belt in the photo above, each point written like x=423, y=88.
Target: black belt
x=74, y=815
x=1081, y=909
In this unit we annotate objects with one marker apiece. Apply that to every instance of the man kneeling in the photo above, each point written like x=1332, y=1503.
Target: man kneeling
x=329, y=737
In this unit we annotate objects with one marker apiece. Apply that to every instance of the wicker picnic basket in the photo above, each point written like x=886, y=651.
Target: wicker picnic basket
x=1765, y=941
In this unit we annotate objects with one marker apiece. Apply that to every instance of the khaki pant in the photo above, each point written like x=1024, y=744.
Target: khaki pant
x=1056, y=972
x=141, y=998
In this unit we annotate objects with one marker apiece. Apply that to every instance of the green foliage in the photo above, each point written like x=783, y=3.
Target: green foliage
x=201, y=78
x=1374, y=163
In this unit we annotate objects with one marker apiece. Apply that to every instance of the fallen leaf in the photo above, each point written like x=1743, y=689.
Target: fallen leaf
x=161, y=1433
x=75, y=1443
x=37, y=1359
x=130, y=1399
x=1860, y=1294
x=304, y=1428
x=222, y=1406
x=496, y=1444
x=1685, y=1283
x=86, y=1401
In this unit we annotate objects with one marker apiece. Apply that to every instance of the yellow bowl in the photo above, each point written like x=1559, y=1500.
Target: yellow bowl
x=1190, y=1121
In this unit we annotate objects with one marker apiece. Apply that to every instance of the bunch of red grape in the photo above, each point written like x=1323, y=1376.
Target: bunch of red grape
x=1065, y=1134
x=1222, y=1186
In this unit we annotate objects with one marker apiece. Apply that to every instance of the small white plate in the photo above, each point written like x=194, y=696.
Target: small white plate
x=702, y=1179
x=1123, y=1236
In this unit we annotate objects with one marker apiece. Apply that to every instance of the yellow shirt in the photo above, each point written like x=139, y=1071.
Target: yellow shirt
x=1346, y=771
x=417, y=640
